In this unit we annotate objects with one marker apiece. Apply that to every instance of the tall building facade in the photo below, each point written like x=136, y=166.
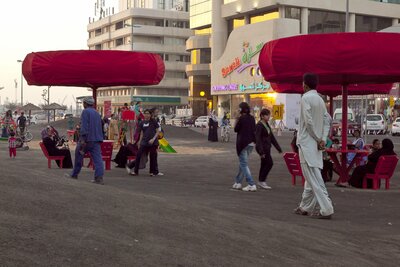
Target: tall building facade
x=241, y=27
x=154, y=26
x=199, y=45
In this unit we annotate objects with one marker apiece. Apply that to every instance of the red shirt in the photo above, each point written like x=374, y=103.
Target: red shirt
x=11, y=142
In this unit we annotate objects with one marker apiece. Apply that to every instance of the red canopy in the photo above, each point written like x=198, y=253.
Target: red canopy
x=339, y=58
x=92, y=68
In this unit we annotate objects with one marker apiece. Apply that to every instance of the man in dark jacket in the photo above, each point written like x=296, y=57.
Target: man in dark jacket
x=264, y=140
x=245, y=129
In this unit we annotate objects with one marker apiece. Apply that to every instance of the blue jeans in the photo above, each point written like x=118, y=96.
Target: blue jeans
x=244, y=169
x=94, y=149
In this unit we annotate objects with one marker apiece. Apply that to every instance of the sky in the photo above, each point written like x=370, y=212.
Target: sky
x=40, y=25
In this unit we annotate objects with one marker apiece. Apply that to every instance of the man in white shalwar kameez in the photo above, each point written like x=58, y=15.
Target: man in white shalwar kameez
x=314, y=128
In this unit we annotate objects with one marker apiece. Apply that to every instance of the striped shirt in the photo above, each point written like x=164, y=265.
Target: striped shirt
x=12, y=142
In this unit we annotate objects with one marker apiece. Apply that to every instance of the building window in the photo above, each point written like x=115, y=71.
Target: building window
x=264, y=17
x=371, y=24
x=119, y=25
x=235, y=23
x=97, y=32
x=161, y=4
x=326, y=22
x=174, y=41
x=292, y=13
x=97, y=47
x=205, y=56
x=205, y=31
x=193, y=56
x=119, y=41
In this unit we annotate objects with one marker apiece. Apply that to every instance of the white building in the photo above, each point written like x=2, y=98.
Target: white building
x=241, y=27
x=155, y=26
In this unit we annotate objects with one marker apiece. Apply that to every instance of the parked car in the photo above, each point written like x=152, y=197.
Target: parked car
x=375, y=123
x=201, y=121
x=351, y=122
x=189, y=121
x=32, y=120
x=67, y=116
x=396, y=127
x=178, y=121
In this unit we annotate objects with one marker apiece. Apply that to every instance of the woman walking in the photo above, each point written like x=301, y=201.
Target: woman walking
x=264, y=140
x=245, y=129
x=213, y=127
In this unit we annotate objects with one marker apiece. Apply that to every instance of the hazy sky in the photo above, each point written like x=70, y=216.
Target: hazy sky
x=40, y=25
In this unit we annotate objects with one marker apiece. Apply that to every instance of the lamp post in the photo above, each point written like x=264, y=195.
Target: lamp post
x=22, y=84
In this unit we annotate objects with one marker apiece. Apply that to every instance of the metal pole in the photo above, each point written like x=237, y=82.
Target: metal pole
x=22, y=89
x=132, y=35
x=347, y=16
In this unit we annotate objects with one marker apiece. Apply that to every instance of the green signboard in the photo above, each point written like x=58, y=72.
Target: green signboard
x=157, y=100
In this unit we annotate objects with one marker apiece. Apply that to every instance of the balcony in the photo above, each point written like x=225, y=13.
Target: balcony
x=198, y=69
x=198, y=42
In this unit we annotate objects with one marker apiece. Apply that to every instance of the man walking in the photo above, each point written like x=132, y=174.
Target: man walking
x=90, y=139
x=21, y=121
x=313, y=131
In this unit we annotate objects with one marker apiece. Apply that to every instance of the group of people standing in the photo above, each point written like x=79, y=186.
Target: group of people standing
x=310, y=142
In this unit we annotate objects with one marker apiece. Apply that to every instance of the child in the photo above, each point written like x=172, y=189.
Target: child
x=12, y=145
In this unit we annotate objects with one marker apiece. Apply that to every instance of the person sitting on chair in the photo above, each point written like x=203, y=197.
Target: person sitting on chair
x=50, y=142
x=360, y=171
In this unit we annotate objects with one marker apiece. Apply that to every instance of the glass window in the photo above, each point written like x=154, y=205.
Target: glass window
x=325, y=22
x=193, y=55
x=119, y=41
x=371, y=24
x=235, y=23
x=264, y=17
x=97, y=32
x=97, y=47
x=204, y=31
x=119, y=25
x=292, y=13
x=161, y=4
x=205, y=56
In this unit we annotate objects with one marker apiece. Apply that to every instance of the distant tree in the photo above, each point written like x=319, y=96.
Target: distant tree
x=11, y=106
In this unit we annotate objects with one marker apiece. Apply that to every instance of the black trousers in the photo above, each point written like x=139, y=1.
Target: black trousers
x=152, y=150
x=265, y=168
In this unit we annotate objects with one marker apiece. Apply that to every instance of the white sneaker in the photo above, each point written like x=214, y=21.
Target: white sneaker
x=264, y=185
x=250, y=188
x=237, y=186
x=158, y=174
x=127, y=169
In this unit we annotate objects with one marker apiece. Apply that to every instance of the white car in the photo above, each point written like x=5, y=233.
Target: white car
x=201, y=121
x=376, y=123
x=396, y=127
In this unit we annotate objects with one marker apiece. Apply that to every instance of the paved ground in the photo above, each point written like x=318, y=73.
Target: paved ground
x=189, y=217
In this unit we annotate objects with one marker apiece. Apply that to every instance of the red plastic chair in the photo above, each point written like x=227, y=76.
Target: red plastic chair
x=50, y=158
x=384, y=170
x=293, y=164
x=106, y=155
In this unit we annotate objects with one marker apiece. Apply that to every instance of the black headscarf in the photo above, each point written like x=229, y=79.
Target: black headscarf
x=387, y=145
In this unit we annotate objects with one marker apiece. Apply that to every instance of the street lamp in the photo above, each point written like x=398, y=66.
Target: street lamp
x=132, y=26
x=22, y=84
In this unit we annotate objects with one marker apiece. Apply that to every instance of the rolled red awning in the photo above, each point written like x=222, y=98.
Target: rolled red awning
x=92, y=68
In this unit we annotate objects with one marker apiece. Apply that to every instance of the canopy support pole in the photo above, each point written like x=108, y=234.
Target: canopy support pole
x=344, y=117
x=94, y=94
x=331, y=106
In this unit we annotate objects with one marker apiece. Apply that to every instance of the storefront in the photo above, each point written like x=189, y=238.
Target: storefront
x=236, y=76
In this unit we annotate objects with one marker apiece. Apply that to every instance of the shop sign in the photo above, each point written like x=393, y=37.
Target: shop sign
x=227, y=87
x=245, y=61
x=277, y=112
x=256, y=87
